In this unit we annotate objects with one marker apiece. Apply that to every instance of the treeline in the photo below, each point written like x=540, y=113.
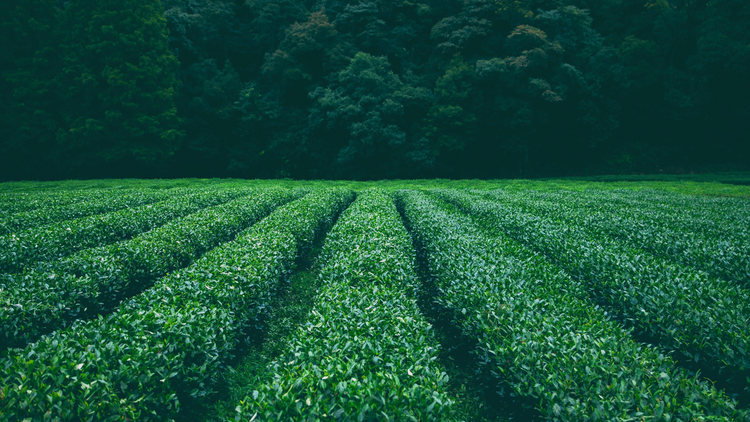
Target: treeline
x=372, y=88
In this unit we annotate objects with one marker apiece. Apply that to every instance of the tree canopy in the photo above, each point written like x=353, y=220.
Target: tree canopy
x=372, y=89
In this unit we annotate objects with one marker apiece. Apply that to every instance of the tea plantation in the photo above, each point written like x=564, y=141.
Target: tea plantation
x=433, y=300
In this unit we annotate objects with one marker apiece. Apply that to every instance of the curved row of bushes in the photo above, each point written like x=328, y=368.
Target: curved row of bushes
x=29, y=200
x=671, y=234
x=106, y=201
x=94, y=280
x=701, y=318
x=37, y=245
x=537, y=331
x=166, y=345
x=366, y=352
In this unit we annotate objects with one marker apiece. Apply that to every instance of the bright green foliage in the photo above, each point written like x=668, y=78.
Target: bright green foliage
x=537, y=331
x=95, y=280
x=108, y=202
x=62, y=239
x=55, y=201
x=552, y=300
x=700, y=318
x=166, y=345
x=691, y=234
x=22, y=201
x=119, y=84
x=365, y=352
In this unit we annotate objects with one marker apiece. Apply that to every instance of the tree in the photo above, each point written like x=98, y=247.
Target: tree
x=119, y=85
x=358, y=116
x=514, y=11
x=451, y=122
x=308, y=52
x=28, y=92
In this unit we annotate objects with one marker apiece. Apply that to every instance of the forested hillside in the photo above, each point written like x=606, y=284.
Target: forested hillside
x=372, y=89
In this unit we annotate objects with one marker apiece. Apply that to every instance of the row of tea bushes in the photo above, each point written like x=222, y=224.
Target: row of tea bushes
x=689, y=213
x=702, y=319
x=729, y=219
x=23, y=201
x=365, y=353
x=667, y=235
x=111, y=201
x=714, y=210
x=32, y=246
x=167, y=345
x=716, y=214
x=537, y=331
x=94, y=280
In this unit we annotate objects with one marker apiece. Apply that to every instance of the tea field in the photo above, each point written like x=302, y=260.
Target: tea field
x=433, y=300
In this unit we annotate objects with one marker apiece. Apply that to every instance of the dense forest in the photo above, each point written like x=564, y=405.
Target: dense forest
x=372, y=89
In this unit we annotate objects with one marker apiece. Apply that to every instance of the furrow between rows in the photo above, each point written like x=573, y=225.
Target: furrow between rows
x=168, y=344
x=701, y=319
x=366, y=352
x=94, y=281
x=537, y=331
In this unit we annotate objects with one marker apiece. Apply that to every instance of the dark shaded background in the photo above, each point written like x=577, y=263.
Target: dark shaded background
x=372, y=89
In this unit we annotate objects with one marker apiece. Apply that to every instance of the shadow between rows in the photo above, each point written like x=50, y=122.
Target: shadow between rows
x=263, y=341
x=734, y=385
x=480, y=395
x=105, y=302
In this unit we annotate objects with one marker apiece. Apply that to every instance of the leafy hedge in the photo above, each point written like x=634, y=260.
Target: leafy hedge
x=32, y=246
x=701, y=318
x=94, y=280
x=537, y=331
x=365, y=353
x=717, y=212
x=717, y=216
x=29, y=200
x=689, y=238
x=106, y=201
x=165, y=345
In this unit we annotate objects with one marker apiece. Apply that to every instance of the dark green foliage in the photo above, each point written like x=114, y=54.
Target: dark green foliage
x=452, y=124
x=29, y=97
x=119, y=83
x=364, y=104
x=477, y=88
